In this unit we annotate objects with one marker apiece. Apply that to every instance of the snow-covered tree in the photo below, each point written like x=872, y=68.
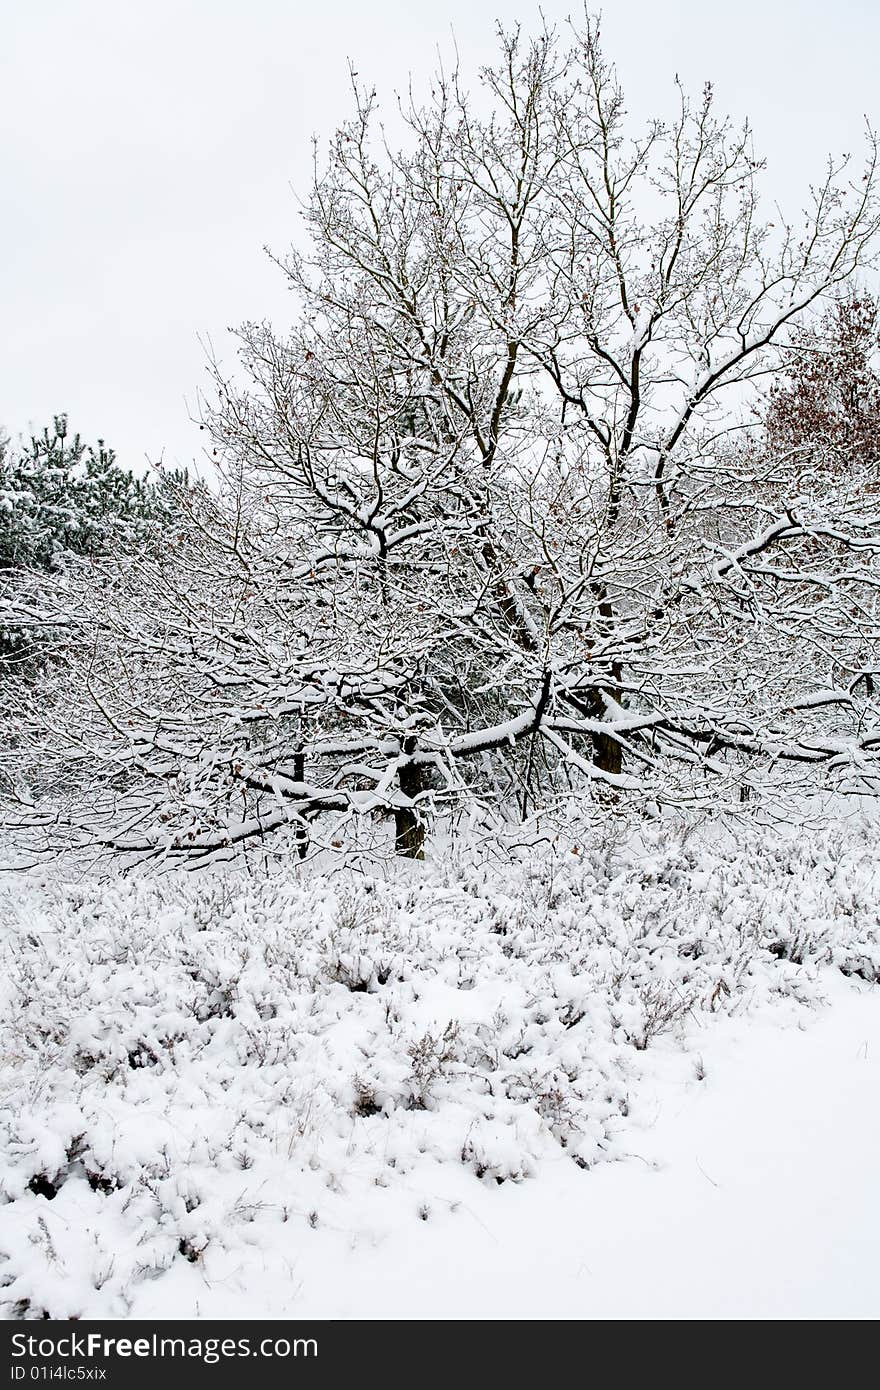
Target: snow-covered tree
x=485, y=526
x=827, y=403
x=61, y=497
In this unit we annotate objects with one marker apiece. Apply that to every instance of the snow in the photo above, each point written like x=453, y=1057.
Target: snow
x=639, y=1080
x=746, y=1204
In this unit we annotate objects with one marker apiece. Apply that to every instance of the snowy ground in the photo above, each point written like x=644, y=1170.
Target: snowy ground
x=756, y=1197
x=639, y=1081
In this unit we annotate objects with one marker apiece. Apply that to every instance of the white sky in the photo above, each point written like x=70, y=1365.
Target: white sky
x=148, y=149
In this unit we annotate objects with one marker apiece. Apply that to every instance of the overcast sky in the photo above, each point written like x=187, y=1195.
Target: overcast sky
x=148, y=149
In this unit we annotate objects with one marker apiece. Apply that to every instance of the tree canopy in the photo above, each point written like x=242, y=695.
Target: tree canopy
x=498, y=520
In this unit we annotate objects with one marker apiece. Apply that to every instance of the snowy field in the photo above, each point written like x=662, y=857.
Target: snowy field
x=639, y=1080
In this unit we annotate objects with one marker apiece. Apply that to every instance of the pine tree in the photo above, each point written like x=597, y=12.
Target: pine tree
x=60, y=497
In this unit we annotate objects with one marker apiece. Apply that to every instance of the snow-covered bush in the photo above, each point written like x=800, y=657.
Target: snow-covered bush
x=193, y=1067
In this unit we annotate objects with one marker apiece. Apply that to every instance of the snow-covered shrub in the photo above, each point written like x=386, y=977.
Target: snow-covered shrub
x=188, y=1066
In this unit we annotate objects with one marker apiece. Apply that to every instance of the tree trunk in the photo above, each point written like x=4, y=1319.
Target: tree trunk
x=607, y=753
x=302, y=833
x=409, y=828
